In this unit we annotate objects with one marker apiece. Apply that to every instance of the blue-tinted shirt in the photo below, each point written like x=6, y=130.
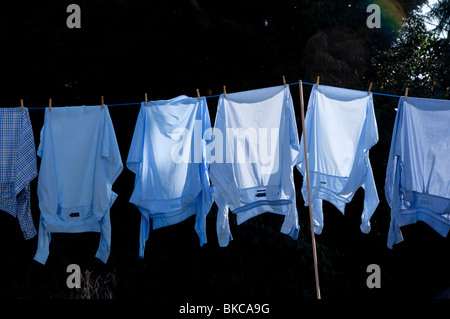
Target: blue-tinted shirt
x=167, y=154
x=417, y=184
x=340, y=129
x=80, y=162
x=17, y=166
x=255, y=149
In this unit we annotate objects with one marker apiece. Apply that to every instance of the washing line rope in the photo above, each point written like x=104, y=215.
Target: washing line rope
x=213, y=96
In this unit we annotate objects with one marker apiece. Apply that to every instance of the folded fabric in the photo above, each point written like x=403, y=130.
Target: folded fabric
x=340, y=129
x=80, y=162
x=17, y=166
x=417, y=184
x=168, y=156
x=255, y=148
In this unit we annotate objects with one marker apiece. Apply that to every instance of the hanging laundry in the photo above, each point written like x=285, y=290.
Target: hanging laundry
x=340, y=129
x=418, y=173
x=168, y=156
x=80, y=162
x=256, y=146
x=17, y=166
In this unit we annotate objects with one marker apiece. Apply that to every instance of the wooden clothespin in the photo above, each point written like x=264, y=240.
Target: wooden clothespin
x=406, y=93
x=284, y=81
x=198, y=94
x=146, y=100
x=102, y=101
x=21, y=104
x=224, y=91
x=50, y=104
x=370, y=88
x=317, y=83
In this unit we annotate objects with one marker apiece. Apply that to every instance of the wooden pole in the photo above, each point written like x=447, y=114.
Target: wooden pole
x=311, y=220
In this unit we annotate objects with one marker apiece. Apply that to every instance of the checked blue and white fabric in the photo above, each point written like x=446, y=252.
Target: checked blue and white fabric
x=17, y=166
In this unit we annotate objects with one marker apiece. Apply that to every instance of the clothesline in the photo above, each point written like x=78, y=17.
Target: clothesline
x=213, y=96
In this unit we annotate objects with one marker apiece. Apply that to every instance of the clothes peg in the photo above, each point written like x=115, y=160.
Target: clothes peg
x=146, y=101
x=284, y=81
x=198, y=94
x=50, y=104
x=224, y=91
x=406, y=94
x=317, y=83
x=102, y=101
x=370, y=88
x=21, y=104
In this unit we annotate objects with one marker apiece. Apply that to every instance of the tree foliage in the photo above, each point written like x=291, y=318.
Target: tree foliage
x=418, y=59
x=441, y=11
x=171, y=47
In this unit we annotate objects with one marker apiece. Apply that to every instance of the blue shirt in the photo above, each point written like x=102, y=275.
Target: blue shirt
x=255, y=148
x=340, y=129
x=17, y=166
x=167, y=154
x=417, y=184
x=80, y=162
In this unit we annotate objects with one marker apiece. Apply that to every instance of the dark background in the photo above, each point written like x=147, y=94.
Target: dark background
x=167, y=48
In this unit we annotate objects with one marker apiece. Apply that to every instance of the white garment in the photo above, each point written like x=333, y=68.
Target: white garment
x=80, y=162
x=167, y=154
x=340, y=129
x=418, y=172
x=256, y=145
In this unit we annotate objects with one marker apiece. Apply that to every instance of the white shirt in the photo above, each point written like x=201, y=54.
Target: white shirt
x=418, y=172
x=256, y=145
x=340, y=128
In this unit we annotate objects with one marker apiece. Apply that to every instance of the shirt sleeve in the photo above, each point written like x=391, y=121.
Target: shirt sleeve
x=301, y=155
x=26, y=167
x=223, y=223
x=200, y=225
x=110, y=150
x=26, y=171
x=293, y=132
x=47, y=190
x=392, y=166
x=134, y=159
x=222, y=177
x=371, y=136
x=371, y=199
x=44, y=238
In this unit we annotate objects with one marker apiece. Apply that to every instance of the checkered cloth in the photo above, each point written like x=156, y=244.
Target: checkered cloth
x=17, y=166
